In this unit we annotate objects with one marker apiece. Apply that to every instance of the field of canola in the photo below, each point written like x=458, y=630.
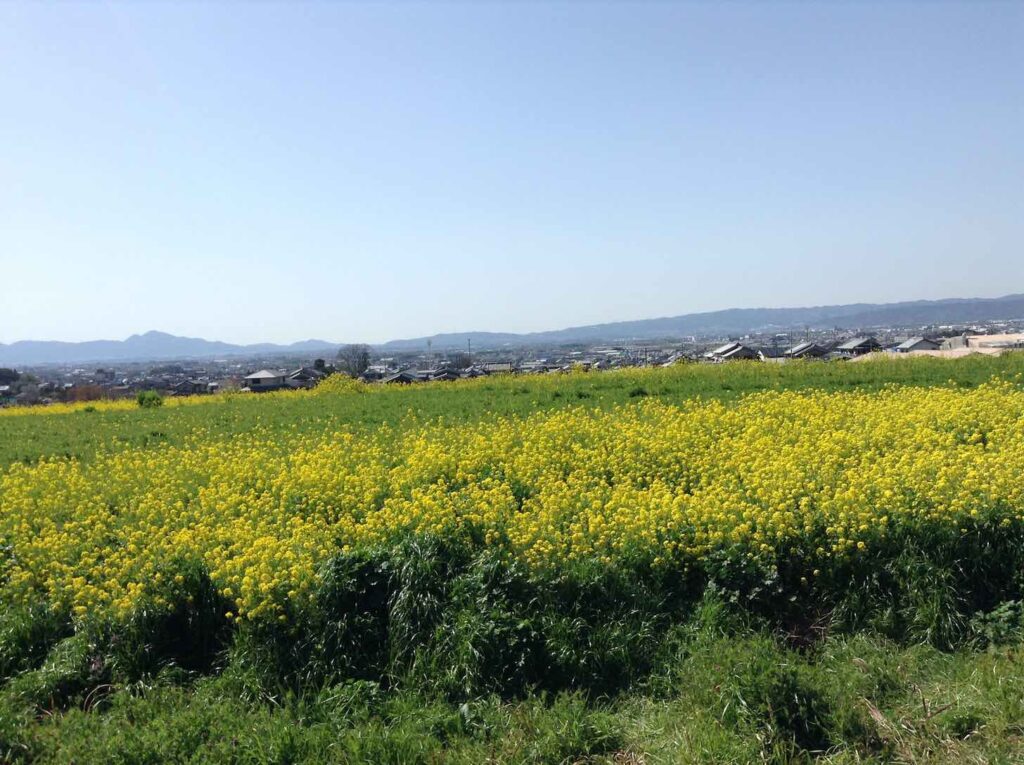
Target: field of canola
x=803, y=478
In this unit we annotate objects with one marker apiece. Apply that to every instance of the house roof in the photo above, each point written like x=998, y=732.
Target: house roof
x=727, y=348
x=308, y=373
x=857, y=342
x=265, y=374
x=911, y=342
x=738, y=349
x=403, y=376
x=801, y=347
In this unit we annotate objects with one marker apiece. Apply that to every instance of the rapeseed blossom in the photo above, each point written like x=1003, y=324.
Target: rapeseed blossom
x=828, y=474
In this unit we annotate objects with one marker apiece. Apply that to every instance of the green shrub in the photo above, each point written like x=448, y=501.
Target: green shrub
x=191, y=635
x=26, y=635
x=1003, y=625
x=71, y=669
x=149, y=399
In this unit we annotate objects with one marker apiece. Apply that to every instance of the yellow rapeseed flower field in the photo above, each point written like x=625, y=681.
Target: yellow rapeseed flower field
x=826, y=474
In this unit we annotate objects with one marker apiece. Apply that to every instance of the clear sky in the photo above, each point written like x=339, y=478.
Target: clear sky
x=363, y=172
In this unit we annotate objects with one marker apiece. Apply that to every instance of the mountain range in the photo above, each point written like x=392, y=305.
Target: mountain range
x=734, y=321
x=153, y=346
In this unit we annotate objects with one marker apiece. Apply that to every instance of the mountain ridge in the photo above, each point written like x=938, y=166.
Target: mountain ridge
x=739, y=320
x=147, y=346
x=161, y=346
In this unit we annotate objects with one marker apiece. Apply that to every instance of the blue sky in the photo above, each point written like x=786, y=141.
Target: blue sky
x=362, y=172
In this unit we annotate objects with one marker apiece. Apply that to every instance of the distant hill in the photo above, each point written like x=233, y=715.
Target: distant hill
x=153, y=346
x=742, y=320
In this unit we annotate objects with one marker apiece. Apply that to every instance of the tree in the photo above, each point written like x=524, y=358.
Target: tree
x=29, y=394
x=8, y=376
x=354, y=359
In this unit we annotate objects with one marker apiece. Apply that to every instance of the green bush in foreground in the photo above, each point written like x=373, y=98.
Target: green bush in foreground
x=719, y=690
x=430, y=651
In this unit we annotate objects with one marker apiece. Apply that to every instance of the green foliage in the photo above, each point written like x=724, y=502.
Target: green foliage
x=929, y=590
x=430, y=650
x=26, y=635
x=149, y=399
x=71, y=669
x=452, y=620
x=191, y=635
x=722, y=691
x=1003, y=625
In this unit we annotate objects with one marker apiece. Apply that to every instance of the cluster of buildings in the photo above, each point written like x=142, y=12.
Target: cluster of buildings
x=428, y=368
x=406, y=373
x=862, y=345
x=51, y=383
x=807, y=349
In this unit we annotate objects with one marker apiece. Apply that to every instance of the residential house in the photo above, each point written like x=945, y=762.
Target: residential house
x=376, y=372
x=189, y=388
x=305, y=377
x=918, y=344
x=771, y=353
x=498, y=367
x=405, y=377
x=120, y=392
x=533, y=367
x=733, y=351
x=858, y=346
x=806, y=350
x=265, y=380
x=445, y=373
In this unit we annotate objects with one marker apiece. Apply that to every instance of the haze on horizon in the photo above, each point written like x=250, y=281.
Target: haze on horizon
x=365, y=172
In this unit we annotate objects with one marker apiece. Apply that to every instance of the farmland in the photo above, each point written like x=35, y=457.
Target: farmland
x=732, y=562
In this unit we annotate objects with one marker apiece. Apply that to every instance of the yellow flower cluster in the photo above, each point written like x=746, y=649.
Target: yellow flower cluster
x=102, y=405
x=832, y=472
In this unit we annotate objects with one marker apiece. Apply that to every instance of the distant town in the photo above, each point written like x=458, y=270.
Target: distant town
x=36, y=385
